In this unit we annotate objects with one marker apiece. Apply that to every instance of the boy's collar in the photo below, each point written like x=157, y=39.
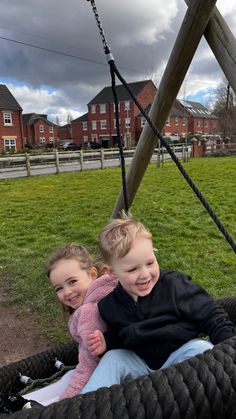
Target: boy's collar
x=122, y=294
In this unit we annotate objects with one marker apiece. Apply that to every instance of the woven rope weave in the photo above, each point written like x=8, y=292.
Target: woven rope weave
x=204, y=387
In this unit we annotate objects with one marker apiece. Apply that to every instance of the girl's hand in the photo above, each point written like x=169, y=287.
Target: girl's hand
x=96, y=343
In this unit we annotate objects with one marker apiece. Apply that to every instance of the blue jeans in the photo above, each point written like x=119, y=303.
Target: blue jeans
x=119, y=365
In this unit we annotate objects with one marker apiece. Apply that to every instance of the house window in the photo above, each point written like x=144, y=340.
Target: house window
x=127, y=105
x=93, y=108
x=143, y=121
x=50, y=129
x=94, y=138
x=176, y=120
x=10, y=144
x=85, y=126
x=103, y=124
x=85, y=139
x=7, y=117
x=118, y=107
x=94, y=125
x=41, y=128
x=51, y=140
x=184, y=122
x=42, y=140
x=114, y=120
x=198, y=123
x=127, y=122
x=102, y=107
x=206, y=124
x=168, y=121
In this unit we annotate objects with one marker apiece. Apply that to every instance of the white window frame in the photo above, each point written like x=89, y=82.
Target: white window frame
x=206, y=124
x=114, y=107
x=168, y=122
x=85, y=126
x=143, y=122
x=198, y=124
x=102, y=107
x=42, y=140
x=51, y=129
x=127, y=123
x=10, y=144
x=176, y=121
x=184, y=122
x=94, y=138
x=127, y=105
x=7, y=118
x=94, y=125
x=41, y=128
x=51, y=140
x=85, y=139
x=103, y=124
x=114, y=121
x=93, y=108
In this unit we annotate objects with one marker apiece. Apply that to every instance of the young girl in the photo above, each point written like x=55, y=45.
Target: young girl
x=75, y=278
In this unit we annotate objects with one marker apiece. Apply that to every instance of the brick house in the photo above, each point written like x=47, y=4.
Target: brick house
x=79, y=127
x=186, y=118
x=99, y=126
x=11, y=129
x=199, y=120
x=64, y=133
x=39, y=131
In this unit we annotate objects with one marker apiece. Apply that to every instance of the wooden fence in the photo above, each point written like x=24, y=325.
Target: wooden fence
x=56, y=161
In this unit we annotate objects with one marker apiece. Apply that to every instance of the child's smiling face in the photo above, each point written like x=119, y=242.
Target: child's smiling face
x=138, y=271
x=71, y=282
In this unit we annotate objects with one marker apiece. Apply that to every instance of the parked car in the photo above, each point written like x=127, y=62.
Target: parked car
x=71, y=146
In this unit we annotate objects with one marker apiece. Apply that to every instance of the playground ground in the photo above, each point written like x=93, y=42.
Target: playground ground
x=20, y=335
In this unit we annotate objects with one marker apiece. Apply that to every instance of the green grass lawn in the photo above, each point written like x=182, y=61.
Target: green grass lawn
x=37, y=214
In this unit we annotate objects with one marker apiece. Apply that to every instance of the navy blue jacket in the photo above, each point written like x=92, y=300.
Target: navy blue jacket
x=176, y=311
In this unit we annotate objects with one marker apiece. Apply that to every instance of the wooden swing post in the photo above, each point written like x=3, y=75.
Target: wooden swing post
x=193, y=26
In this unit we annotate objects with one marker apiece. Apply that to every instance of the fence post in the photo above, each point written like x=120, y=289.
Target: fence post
x=57, y=162
x=102, y=158
x=159, y=154
x=162, y=157
x=27, y=161
x=81, y=160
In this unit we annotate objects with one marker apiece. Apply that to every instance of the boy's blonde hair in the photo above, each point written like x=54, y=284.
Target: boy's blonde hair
x=117, y=237
x=74, y=251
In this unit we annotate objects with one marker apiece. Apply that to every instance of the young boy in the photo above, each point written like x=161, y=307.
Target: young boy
x=156, y=315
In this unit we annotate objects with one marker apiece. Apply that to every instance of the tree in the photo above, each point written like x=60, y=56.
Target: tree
x=69, y=118
x=225, y=109
x=57, y=120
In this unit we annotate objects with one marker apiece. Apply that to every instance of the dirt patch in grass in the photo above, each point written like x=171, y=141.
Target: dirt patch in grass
x=20, y=335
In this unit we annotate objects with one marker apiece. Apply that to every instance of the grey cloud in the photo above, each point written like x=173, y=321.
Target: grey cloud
x=70, y=27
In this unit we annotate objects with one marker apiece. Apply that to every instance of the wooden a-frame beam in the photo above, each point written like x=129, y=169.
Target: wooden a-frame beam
x=189, y=36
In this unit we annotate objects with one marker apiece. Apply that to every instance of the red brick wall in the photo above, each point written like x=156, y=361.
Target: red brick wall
x=146, y=96
x=14, y=130
x=32, y=133
x=77, y=132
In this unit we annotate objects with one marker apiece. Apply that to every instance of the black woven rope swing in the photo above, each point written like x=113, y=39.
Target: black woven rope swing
x=203, y=387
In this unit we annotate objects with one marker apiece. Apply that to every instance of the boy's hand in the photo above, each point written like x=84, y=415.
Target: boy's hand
x=96, y=343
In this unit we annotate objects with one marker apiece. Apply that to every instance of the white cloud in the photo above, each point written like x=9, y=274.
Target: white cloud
x=43, y=101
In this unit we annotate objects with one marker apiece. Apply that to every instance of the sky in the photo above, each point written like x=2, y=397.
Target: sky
x=52, y=58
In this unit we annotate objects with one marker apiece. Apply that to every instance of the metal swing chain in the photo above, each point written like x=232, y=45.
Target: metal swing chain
x=110, y=60
x=197, y=192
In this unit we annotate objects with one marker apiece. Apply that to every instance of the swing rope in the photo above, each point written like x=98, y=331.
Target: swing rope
x=114, y=71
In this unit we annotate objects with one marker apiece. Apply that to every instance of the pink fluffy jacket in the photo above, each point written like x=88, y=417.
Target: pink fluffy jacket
x=83, y=321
